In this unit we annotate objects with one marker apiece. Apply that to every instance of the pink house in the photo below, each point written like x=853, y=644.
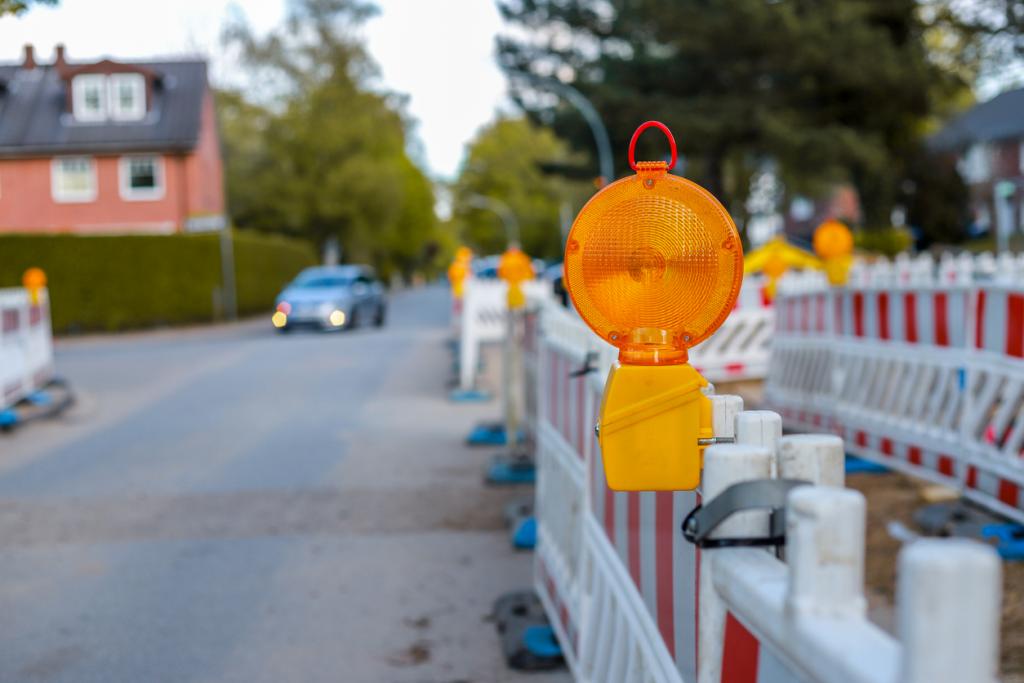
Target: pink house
x=108, y=147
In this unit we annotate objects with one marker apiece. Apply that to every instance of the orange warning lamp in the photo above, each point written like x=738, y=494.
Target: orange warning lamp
x=654, y=265
x=833, y=243
x=34, y=280
x=458, y=271
x=515, y=268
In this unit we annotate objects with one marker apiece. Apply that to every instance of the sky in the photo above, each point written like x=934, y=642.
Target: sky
x=439, y=52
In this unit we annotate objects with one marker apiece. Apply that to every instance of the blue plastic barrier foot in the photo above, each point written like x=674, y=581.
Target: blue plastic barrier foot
x=524, y=534
x=1009, y=539
x=507, y=469
x=469, y=396
x=8, y=418
x=855, y=465
x=487, y=434
x=40, y=398
x=541, y=641
x=527, y=639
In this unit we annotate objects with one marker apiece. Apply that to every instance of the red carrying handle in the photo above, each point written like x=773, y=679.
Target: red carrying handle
x=636, y=136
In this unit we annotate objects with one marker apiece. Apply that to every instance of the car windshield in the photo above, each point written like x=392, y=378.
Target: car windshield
x=323, y=282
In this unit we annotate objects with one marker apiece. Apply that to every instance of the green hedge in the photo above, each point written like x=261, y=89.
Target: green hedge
x=121, y=282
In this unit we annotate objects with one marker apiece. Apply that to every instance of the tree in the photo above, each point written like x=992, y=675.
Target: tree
x=19, y=6
x=504, y=162
x=313, y=150
x=831, y=91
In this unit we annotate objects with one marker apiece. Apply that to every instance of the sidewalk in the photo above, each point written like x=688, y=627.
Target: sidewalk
x=432, y=542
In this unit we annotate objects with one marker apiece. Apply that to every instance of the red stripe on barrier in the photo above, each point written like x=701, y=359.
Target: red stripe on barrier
x=972, y=477
x=734, y=368
x=839, y=314
x=858, y=314
x=1015, y=325
x=664, y=535
x=739, y=653
x=946, y=465
x=914, y=455
x=10, y=319
x=910, y=316
x=886, y=446
x=979, y=321
x=765, y=299
x=582, y=416
x=609, y=512
x=883, y=315
x=1008, y=492
x=861, y=439
x=633, y=536
x=35, y=315
x=552, y=393
x=939, y=302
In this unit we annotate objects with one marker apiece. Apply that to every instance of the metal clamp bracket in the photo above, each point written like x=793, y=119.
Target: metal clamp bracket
x=746, y=495
x=588, y=365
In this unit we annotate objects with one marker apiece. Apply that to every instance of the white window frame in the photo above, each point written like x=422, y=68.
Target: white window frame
x=130, y=194
x=138, y=109
x=64, y=196
x=79, y=85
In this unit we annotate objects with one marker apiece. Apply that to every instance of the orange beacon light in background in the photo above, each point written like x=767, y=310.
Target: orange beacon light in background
x=654, y=265
x=34, y=280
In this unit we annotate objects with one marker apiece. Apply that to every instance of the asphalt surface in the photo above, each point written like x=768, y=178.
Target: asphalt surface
x=229, y=504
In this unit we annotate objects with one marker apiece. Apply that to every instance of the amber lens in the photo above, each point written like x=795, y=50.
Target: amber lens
x=654, y=265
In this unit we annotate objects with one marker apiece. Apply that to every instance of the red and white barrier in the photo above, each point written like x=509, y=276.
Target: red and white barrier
x=631, y=600
x=919, y=369
x=741, y=348
x=483, y=320
x=26, y=346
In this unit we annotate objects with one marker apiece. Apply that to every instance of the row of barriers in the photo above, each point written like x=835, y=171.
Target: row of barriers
x=739, y=350
x=26, y=344
x=920, y=368
x=630, y=599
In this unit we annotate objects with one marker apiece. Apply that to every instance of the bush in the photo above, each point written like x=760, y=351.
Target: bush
x=885, y=241
x=122, y=282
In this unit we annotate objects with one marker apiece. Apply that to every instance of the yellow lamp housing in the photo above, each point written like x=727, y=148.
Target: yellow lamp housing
x=654, y=265
x=651, y=420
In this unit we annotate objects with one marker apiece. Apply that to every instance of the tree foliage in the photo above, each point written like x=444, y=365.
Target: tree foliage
x=505, y=163
x=313, y=150
x=19, y=6
x=831, y=91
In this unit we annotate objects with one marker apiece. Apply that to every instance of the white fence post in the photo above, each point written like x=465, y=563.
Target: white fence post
x=825, y=551
x=948, y=597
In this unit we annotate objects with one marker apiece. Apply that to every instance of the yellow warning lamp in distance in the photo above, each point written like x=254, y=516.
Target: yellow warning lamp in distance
x=458, y=271
x=833, y=243
x=34, y=280
x=654, y=265
x=515, y=268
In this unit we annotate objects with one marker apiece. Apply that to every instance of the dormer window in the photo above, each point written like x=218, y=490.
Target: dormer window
x=117, y=97
x=90, y=97
x=127, y=97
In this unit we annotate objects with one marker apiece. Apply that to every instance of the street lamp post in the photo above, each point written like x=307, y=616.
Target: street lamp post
x=590, y=115
x=508, y=218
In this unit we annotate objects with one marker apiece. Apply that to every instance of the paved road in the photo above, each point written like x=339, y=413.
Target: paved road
x=227, y=504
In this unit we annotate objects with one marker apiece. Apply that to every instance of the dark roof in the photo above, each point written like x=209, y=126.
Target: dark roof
x=1000, y=118
x=35, y=118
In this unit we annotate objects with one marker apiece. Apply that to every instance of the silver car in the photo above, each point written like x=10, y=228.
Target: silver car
x=331, y=298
